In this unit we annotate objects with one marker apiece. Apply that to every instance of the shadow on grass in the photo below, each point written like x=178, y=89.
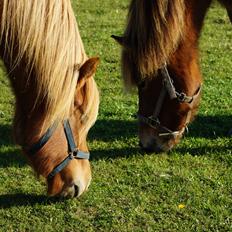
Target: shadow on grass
x=115, y=153
x=202, y=127
x=12, y=200
x=12, y=159
x=111, y=130
x=9, y=155
x=6, y=135
x=210, y=126
x=106, y=154
x=204, y=150
x=217, y=152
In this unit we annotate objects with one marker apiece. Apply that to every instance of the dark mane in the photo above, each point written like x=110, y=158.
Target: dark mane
x=159, y=26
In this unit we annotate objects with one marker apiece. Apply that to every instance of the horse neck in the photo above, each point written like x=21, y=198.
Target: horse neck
x=197, y=11
x=27, y=119
x=184, y=62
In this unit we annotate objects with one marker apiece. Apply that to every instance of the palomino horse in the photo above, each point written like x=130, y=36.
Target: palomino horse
x=160, y=57
x=56, y=96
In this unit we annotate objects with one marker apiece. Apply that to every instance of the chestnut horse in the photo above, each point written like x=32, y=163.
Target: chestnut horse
x=56, y=95
x=160, y=57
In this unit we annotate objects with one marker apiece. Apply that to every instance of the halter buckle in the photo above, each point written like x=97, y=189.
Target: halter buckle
x=71, y=155
x=181, y=97
x=154, y=122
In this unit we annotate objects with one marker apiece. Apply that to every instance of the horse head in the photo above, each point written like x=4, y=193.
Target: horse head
x=160, y=58
x=56, y=95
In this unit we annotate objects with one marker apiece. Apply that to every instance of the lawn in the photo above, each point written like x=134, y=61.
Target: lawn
x=188, y=189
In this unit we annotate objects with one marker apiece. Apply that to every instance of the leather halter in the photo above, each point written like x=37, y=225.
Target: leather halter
x=168, y=88
x=73, y=152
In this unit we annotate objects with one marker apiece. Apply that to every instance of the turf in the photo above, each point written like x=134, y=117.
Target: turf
x=188, y=189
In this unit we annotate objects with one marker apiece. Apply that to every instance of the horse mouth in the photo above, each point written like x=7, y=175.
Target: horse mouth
x=70, y=192
x=158, y=144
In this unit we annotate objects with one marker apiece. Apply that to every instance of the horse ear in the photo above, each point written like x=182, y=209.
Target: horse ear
x=121, y=40
x=88, y=69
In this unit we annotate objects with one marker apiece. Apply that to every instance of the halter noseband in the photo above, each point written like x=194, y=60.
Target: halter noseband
x=73, y=152
x=168, y=88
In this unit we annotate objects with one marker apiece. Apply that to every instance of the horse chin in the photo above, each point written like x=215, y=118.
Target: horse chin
x=152, y=143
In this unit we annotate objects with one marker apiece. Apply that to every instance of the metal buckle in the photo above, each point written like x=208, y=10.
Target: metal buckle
x=154, y=122
x=71, y=155
x=181, y=97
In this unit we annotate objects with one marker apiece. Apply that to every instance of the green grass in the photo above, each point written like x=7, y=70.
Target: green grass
x=132, y=191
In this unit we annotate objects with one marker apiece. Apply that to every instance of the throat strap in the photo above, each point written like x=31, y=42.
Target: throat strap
x=43, y=140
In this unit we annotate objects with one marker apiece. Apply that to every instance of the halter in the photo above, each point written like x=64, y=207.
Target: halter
x=73, y=152
x=168, y=88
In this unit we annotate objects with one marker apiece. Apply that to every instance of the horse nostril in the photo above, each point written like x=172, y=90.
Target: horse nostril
x=76, y=190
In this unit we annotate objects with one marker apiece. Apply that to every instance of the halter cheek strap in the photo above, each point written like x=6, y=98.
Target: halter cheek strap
x=43, y=140
x=71, y=143
x=73, y=152
x=168, y=88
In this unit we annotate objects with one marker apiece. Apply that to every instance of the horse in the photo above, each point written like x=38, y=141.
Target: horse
x=160, y=58
x=56, y=97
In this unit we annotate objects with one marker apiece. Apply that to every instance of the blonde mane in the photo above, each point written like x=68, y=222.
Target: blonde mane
x=153, y=32
x=47, y=36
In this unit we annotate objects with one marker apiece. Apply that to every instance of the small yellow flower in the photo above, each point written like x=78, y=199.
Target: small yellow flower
x=181, y=206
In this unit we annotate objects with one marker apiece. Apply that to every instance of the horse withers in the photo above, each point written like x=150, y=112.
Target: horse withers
x=56, y=95
x=160, y=57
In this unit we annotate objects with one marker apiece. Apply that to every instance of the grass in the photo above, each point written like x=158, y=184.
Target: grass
x=188, y=189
